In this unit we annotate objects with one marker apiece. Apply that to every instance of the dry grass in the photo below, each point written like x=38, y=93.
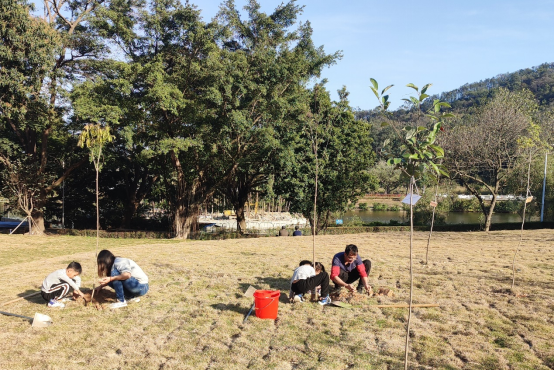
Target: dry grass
x=192, y=316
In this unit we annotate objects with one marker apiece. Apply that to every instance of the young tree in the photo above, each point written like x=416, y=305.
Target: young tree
x=95, y=137
x=417, y=155
x=484, y=150
x=344, y=157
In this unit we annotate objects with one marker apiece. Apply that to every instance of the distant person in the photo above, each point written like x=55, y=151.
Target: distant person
x=124, y=276
x=347, y=267
x=296, y=231
x=306, y=279
x=283, y=231
x=58, y=284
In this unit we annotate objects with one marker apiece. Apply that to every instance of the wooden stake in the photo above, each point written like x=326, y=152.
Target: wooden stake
x=20, y=298
x=405, y=305
x=92, y=294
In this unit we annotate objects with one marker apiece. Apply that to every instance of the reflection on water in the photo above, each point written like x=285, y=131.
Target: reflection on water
x=452, y=218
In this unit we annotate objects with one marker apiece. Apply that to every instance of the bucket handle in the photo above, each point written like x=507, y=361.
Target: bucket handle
x=263, y=308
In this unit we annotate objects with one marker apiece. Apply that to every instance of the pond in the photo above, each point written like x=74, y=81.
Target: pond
x=452, y=218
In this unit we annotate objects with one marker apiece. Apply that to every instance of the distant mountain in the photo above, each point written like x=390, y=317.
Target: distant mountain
x=540, y=80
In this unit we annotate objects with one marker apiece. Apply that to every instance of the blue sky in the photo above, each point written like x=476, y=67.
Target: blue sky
x=446, y=43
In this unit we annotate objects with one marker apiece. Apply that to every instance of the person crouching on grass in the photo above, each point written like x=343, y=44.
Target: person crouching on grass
x=124, y=276
x=347, y=267
x=305, y=278
x=56, y=285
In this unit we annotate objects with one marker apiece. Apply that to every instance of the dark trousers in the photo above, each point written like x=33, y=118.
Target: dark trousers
x=352, y=276
x=303, y=285
x=56, y=291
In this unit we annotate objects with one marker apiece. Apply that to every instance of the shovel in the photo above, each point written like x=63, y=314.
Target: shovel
x=39, y=321
x=341, y=304
x=249, y=293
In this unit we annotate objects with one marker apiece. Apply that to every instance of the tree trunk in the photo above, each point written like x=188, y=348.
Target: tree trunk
x=241, y=218
x=186, y=219
x=488, y=215
x=128, y=213
x=38, y=227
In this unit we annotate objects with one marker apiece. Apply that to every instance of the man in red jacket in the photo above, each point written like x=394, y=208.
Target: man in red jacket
x=347, y=267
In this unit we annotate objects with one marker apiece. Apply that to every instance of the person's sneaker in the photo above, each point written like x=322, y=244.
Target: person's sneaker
x=133, y=300
x=360, y=289
x=298, y=298
x=116, y=305
x=325, y=301
x=55, y=303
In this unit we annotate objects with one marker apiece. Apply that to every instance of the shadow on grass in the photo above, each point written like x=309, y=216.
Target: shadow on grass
x=36, y=298
x=238, y=308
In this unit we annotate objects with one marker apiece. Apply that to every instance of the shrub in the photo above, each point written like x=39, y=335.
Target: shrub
x=379, y=207
x=353, y=221
x=362, y=206
x=394, y=208
x=509, y=206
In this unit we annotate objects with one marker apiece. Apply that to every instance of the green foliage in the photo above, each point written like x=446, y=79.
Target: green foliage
x=260, y=92
x=362, y=206
x=464, y=205
x=379, y=207
x=417, y=152
x=95, y=137
x=344, y=157
x=423, y=211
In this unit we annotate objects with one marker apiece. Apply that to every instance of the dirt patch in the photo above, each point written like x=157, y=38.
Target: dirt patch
x=344, y=295
x=99, y=301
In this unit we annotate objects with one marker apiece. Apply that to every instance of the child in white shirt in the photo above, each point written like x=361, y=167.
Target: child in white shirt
x=56, y=285
x=305, y=278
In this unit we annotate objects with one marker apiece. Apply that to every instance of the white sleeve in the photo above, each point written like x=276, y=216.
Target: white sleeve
x=63, y=276
x=77, y=280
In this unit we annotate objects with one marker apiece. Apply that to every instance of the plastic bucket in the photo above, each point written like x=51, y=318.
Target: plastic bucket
x=267, y=303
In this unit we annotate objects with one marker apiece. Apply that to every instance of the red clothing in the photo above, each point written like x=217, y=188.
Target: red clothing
x=340, y=263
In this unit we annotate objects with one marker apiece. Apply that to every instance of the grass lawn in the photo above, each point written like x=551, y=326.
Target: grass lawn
x=192, y=316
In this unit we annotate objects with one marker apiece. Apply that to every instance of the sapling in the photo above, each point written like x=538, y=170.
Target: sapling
x=94, y=137
x=532, y=143
x=415, y=156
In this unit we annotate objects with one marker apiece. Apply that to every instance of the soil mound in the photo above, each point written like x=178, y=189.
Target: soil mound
x=344, y=295
x=100, y=299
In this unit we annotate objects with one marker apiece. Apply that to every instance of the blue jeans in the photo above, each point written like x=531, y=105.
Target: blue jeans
x=127, y=289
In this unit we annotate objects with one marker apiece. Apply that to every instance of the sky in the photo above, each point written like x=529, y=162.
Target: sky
x=447, y=43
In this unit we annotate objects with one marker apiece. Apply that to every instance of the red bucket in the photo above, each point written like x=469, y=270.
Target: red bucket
x=267, y=303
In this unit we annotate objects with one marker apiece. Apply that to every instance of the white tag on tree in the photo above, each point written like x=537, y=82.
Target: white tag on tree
x=414, y=197
x=529, y=199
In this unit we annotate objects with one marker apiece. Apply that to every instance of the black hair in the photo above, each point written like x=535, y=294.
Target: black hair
x=75, y=266
x=305, y=262
x=319, y=266
x=351, y=249
x=296, y=228
x=283, y=227
x=105, y=262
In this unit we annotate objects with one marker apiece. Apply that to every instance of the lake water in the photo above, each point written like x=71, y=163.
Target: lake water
x=452, y=218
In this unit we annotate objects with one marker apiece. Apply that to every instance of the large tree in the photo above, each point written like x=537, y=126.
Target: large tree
x=266, y=66
x=483, y=149
x=39, y=59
